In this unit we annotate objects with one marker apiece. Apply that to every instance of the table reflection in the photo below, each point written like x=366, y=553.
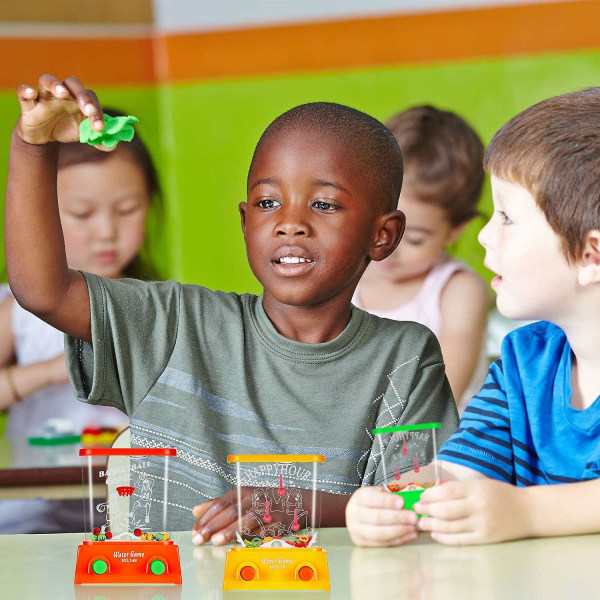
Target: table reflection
x=131, y=592
x=425, y=570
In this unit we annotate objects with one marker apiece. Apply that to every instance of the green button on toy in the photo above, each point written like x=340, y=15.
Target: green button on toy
x=99, y=567
x=158, y=567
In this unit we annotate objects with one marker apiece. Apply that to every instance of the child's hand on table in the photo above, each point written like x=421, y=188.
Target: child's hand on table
x=53, y=113
x=479, y=511
x=218, y=519
x=375, y=518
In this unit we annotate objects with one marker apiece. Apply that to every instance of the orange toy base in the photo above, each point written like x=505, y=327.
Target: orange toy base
x=128, y=562
x=276, y=569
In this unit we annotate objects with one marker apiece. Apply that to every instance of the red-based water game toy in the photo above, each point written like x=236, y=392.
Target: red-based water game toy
x=279, y=516
x=408, y=454
x=127, y=539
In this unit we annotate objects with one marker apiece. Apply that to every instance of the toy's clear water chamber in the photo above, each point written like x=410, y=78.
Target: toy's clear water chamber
x=279, y=516
x=408, y=459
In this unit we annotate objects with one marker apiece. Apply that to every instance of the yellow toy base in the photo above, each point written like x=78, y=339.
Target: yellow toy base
x=276, y=569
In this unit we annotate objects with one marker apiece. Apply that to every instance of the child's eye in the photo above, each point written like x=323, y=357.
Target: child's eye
x=81, y=216
x=324, y=206
x=129, y=210
x=268, y=203
x=414, y=241
x=506, y=220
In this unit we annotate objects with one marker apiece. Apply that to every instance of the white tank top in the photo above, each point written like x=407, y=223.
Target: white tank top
x=36, y=341
x=425, y=308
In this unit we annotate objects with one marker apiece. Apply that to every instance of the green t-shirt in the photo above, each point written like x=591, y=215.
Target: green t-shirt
x=207, y=373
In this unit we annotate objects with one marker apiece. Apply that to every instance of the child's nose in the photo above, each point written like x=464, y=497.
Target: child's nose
x=291, y=229
x=483, y=236
x=107, y=227
x=292, y=222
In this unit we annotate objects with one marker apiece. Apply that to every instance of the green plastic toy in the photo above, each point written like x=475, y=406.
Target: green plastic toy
x=116, y=129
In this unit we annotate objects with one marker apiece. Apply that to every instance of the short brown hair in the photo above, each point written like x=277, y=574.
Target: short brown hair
x=552, y=149
x=443, y=159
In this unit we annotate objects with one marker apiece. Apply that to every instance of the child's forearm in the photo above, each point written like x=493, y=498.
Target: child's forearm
x=18, y=381
x=564, y=509
x=333, y=509
x=35, y=254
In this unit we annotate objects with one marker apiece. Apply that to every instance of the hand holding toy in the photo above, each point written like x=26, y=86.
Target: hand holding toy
x=53, y=112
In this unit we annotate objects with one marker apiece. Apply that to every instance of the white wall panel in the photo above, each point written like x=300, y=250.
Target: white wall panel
x=199, y=15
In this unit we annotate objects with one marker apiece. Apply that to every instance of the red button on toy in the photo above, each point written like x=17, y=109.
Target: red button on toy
x=247, y=573
x=305, y=573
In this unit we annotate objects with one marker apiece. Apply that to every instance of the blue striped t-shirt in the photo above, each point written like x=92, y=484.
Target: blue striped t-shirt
x=520, y=427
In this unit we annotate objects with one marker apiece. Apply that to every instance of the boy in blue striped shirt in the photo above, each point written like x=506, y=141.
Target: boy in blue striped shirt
x=525, y=460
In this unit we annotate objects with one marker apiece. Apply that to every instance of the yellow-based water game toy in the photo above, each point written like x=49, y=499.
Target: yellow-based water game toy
x=279, y=515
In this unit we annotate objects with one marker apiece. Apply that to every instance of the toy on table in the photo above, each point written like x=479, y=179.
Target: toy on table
x=278, y=519
x=408, y=455
x=56, y=432
x=61, y=431
x=133, y=545
x=99, y=437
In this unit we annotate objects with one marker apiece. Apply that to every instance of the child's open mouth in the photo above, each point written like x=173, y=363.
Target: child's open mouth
x=292, y=260
x=292, y=266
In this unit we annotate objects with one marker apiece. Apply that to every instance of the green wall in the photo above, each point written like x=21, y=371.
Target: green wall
x=216, y=125
x=202, y=135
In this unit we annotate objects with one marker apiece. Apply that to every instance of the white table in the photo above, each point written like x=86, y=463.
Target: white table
x=41, y=567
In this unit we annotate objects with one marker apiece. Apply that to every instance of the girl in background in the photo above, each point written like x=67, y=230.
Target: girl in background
x=443, y=178
x=104, y=199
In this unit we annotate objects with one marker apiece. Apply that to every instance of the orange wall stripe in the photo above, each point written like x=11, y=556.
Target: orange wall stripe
x=354, y=43
x=96, y=61
x=401, y=39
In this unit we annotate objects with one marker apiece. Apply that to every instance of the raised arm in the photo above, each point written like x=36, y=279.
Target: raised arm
x=35, y=253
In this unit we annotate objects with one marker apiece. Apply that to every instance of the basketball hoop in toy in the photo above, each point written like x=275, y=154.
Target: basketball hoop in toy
x=125, y=490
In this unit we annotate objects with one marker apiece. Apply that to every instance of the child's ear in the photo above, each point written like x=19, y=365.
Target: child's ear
x=588, y=267
x=242, y=208
x=390, y=229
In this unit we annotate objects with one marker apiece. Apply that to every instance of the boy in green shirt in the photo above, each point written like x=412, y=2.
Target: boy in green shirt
x=296, y=370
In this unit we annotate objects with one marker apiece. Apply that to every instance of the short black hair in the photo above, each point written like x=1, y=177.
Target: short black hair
x=363, y=136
